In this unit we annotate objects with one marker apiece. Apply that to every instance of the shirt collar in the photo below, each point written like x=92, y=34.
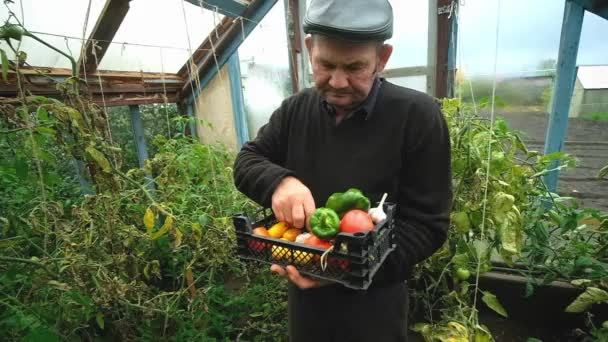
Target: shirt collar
x=366, y=108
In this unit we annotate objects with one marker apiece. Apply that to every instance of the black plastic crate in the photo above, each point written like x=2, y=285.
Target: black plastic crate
x=353, y=262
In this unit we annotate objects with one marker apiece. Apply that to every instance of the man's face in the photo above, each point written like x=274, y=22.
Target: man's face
x=343, y=71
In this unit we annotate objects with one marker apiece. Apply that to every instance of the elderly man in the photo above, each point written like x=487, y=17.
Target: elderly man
x=354, y=129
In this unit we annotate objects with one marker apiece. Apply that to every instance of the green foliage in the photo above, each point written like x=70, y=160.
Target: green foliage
x=514, y=91
x=158, y=119
x=601, y=116
x=501, y=212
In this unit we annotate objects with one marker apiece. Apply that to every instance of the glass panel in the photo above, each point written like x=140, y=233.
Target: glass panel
x=527, y=52
x=265, y=69
x=413, y=82
x=519, y=50
x=42, y=19
x=173, y=26
x=410, y=33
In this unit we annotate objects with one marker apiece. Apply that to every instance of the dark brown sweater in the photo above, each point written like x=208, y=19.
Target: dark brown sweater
x=401, y=147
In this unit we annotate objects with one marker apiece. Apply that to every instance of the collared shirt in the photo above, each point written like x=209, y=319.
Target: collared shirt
x=365, y=108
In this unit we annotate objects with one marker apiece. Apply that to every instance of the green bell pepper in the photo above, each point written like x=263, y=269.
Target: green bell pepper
x=341, y=202
x=325, y=223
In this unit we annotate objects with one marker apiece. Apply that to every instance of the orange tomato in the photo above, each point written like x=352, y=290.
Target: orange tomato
x=259, y=246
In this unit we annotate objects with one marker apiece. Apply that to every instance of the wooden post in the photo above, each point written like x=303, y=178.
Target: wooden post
x=564, y=84
x=293, y=46
x=138, y=135
x=444, y=8
x=238, y=102
x=431, y=49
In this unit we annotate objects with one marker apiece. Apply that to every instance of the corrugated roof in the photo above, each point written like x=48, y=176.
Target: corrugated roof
x=593, y=76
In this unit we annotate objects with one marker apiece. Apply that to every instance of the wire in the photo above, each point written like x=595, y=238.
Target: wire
x=487, y=181
x=116, y=42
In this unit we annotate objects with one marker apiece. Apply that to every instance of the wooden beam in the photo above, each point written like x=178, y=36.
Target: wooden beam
x=431, y=48
x=229, y=8
x=292, y=21
x=119, y=88
x=134, y=99
x=227, y=45
x=597, y=7
x=104, y=74
x=102, y=35
x=115, y=100
x=205, y=48
x=405, y=72
x=443, y=39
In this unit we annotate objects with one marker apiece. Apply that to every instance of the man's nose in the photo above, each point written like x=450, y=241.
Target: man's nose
x=338, y=79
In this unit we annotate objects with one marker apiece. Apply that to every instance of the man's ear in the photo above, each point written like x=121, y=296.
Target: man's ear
x=385, y=53
x=308, y=42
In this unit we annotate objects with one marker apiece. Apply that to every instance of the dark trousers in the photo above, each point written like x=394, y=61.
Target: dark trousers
x=337, y=314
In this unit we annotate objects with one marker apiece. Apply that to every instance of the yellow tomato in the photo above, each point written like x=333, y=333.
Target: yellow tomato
x=278, y=229
x=301, y=257
x=280, y=252
x=291, y=234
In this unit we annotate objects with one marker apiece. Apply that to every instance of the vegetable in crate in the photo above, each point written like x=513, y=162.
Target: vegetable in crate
x=259, y=246
x=325, y=223
x=356, y=221
x=278, y=229
x=341, y=202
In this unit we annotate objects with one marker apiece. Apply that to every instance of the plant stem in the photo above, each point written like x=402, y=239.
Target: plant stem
x=31, y=262
x=72, y=61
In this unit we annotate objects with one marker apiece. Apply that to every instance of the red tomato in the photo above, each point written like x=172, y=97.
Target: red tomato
x=355, y=221
x=259, y=246
x=342, y=263
x=314, y=241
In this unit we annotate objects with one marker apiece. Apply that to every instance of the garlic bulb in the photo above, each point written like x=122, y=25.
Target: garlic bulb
x=377, y=214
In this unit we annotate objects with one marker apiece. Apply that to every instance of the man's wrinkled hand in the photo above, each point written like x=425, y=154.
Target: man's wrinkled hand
x=292, y=274
x=292, y=202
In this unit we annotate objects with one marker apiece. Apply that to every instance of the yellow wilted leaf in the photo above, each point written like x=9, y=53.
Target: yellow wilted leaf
x=165, y=228
x=190, y=282
x=99, y=158
x=149, y=220
x=178, y=238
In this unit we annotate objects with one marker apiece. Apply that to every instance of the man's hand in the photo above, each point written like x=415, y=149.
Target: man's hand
x=292, y=202
x=292, y=274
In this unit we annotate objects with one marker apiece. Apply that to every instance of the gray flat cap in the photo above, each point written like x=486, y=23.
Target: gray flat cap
x=354, y=20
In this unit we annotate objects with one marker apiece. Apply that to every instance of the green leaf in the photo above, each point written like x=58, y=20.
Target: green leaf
x=42, y=114
x=603, y=172
x=492, y=302
x=533, y=339
x=529, y=290
x=99, y=320
x=41, y=334
x=45, y=130
x=99, y=158
x=591, y=296
x=4, y=65
x=21, y=168
x=482, y=334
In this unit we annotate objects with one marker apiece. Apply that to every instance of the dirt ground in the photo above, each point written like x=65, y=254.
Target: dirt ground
x=586, y=139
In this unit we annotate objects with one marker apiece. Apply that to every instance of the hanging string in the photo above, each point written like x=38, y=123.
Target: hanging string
x=162, y=77
x=487, y=180
x=190, y=61
x=94, y=48
x=83, y=44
